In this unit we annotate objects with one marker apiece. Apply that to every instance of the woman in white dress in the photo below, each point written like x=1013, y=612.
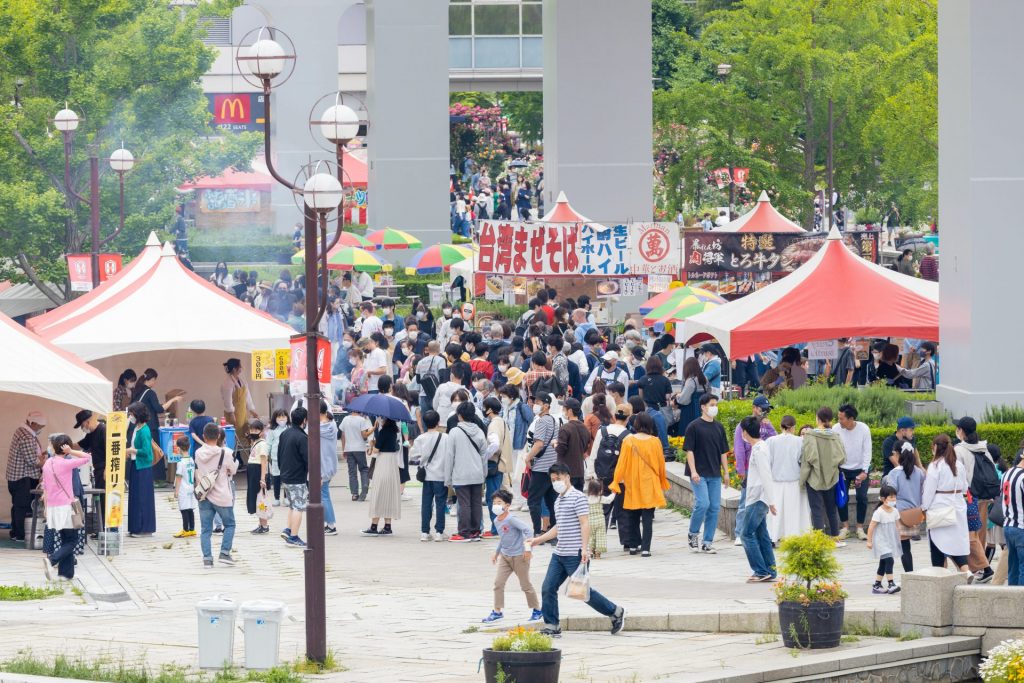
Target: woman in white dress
x=793, y=513
x=944, y=486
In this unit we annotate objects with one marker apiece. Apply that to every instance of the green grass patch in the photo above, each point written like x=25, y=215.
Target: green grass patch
x=22, y=593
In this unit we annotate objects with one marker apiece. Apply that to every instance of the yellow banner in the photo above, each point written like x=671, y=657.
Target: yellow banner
x=282, y=358
x=117, y=432
x=263, y=367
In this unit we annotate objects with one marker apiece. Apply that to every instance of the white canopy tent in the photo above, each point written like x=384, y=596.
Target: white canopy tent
x=35, y=375
x=26, y=299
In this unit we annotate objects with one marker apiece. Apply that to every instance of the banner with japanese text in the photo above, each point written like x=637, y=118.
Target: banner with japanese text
x=117, y=444
x=80, y=270
x=763, y=252
x=654, y=248
x=530, y=249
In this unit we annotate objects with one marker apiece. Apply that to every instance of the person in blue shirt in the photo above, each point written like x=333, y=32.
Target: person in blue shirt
x=196, y=424
x=712, y=366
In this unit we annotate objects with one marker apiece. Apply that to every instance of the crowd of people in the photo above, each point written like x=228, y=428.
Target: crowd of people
x=475, y=196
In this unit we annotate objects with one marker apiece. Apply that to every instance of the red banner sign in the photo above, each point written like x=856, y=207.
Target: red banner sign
x=297, y=370
x=80, y=270
x=740, y=175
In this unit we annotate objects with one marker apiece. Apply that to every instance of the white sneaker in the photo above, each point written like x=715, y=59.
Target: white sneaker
x=277, y=503
x=844, y=533
x=862, y=535
x=738, y=541
x=425, y=538
x=439, y=537
x=840, y=544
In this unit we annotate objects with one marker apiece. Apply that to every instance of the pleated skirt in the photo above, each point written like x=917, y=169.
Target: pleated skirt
x=385, y=488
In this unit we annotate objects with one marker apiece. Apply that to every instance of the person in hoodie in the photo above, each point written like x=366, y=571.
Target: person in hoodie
x=820, y=458
x=970, y=449
x=328, y=465
x=466, y=460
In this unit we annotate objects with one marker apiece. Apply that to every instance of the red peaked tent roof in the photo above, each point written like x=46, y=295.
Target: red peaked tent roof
x=356, y=175
x=562, y=212
x=763, y=218
x=835, y=294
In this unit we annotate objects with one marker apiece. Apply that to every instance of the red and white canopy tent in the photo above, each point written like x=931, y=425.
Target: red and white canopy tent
x=35, y=375
x=168, y=318
x=762, y=218
x=835, y=294
x=563, y=213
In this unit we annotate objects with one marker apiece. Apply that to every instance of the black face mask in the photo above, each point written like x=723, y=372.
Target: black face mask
x=609, y=364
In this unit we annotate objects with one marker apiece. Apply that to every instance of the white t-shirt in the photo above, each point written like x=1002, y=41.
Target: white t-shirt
x=880, y=516
x=371, y=325
x=365, y=284
x=352, y=428
x=374, y=360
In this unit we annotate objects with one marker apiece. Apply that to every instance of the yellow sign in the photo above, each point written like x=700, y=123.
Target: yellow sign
x=263, y=365
x=282, y=359
x=117, y=432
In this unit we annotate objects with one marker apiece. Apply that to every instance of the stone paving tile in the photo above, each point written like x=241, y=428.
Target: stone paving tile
x=402, y=610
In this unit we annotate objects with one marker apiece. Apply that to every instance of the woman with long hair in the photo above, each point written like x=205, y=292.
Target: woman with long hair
x=58, y=490
x=600, y=415
x=793, y=513
x=641, y=480
x=908, y=482
x=123, y=391
x=222, y=278
x=141, y=503
x=695, y=385
x=943, y=500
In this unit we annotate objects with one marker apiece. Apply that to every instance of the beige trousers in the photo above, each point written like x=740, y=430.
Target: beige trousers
x=520, y=566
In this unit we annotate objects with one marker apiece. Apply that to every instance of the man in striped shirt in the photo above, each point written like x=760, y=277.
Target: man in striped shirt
x=573, y=533
x=540, y=457
x=1013, y=524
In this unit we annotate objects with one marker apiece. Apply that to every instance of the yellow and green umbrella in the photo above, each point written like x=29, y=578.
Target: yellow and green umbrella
x=354, y=258
x=347, y=239
x=438, y=258
x=684, y=302
x=389, y=238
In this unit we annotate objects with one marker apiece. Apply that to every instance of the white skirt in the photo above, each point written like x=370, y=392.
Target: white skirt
x=386, y=488
x=794, y=512
x=59, y=517
x=951, y=540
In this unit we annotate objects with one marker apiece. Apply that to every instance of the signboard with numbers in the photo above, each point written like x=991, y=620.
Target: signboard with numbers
x=263, y=365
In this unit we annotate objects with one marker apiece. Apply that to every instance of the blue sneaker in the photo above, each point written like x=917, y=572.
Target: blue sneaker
x=493, y=617
x=537, y=615
x=286, y=534
x=296, y=542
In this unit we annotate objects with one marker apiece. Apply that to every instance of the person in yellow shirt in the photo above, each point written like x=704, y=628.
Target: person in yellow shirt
x=640, y=479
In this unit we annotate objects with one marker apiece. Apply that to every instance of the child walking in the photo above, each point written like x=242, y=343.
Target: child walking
x=185, y=489
x=596, y=503
x=884, y=539
x=511, y=556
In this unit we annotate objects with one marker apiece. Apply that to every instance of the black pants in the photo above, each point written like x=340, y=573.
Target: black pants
x=907, y=559
x=862, y=496
x=939, y=557
x=277, y=486
x=540, y=490
x=618, y=514
x=885, y=566
x=252, y=487
x=64, y=557
x=577, y=483
x=824, y=515
x=640, y=535
x=470, y=509
x=188, y=520
x=21, y=504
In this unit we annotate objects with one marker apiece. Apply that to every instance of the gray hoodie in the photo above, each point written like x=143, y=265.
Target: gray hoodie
x=967, y=452
x=466, y=457
x=328, y=449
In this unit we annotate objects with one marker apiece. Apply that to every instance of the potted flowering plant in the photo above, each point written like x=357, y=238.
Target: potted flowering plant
x=1005, y=663
x=523, y=655
x=811, y=601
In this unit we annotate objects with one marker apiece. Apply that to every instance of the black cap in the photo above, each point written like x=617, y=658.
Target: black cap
x=81, y=416
x=544, y=397
x=968, y=424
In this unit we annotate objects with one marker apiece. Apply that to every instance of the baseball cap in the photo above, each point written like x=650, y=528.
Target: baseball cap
x=659, y=327
x=610, y=355
x=545, y=397
x=36, y=417
x=905, y=422
x=968, y=424
x=762, y=403
x=80, y=417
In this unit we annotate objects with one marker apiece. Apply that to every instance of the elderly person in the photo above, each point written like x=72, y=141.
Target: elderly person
x=24, y=468
x=58, y=492
x=141, y=504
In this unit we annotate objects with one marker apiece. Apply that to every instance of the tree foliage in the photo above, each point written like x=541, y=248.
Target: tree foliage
x=131, y=69
x=669, y=18
x=525, y=112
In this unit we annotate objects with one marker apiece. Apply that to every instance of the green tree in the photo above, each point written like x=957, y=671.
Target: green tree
x=668, y=19
x=131, y=68
x=525, y=112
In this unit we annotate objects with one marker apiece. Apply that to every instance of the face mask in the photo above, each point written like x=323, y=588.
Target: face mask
x=420, y=315
x=389, y=333
x=713, y=411
x=447, y=312
x=388, y=311
x=506, y=402
x=131, y=418
x=559, y=486
x=876, y=355
x=503, y=368
x=346, y=345
x=536, y=409
x=921, y=354
x=498, y=509
x=282, y=422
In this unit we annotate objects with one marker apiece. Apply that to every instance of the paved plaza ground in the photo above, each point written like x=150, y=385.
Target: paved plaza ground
x=402, y=610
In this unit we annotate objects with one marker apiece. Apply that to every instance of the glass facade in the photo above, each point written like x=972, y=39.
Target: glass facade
x=495, y=34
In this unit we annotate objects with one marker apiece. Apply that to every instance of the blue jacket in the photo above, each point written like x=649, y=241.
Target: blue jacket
x=523, y=416
x=713, y=372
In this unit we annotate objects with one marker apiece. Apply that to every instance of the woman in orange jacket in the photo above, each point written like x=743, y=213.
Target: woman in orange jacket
x=640, y=478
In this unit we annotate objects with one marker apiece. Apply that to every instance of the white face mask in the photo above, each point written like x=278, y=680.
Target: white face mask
x=282, y=422
x=505, y=402
x=559, y=486
x=498, y=509
x=420, y=315
x=389, y=332
x=536, y=409
x=131, y=418
x=346, y=344
x=712, y=411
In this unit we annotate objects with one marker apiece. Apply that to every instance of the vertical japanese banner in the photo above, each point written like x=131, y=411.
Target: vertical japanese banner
x=604, y=252
x=80, y=272
x=263, y=366
x=740, y=175
x=297, y=369
x=117, y=431
x=282, y=361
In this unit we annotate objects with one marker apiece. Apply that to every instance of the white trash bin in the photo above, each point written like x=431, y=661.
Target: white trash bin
x=216, y=632
x=262, y=624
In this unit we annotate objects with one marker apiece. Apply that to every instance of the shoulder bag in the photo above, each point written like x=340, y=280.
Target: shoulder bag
x=205, y=483
x=942, y=517
x=421, y=471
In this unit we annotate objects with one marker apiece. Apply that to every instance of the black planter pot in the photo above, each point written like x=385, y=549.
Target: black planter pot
x=817, y=626
x=523, y=667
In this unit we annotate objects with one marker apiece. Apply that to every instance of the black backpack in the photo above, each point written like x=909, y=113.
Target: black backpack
x=431, y=380
x=984, y=481
x=608, y=454
x=524, y=323
x=548, y=384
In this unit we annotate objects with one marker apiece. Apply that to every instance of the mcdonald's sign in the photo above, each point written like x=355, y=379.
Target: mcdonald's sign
x=237, y=111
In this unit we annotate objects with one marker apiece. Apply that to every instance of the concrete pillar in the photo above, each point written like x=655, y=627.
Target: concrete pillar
x=597, y=145
x=927, y=600
x=981, y=143
x=313, y=27
x=407, y=102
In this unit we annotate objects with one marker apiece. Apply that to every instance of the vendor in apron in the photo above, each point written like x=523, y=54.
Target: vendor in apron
x=238, y=403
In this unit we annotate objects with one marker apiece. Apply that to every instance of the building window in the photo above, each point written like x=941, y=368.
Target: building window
x=533, y=23
x=496, y=20
x=460, y=20
x=488, y=34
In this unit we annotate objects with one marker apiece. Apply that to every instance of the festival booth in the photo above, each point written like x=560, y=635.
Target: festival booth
x=834, y=294
x=17, y=300
x=35, y=375
x=158, y=314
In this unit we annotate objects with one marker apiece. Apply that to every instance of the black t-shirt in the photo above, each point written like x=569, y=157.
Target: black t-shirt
x=95, y=444
x=654, y=389
x=707, y=442
x=387, y=438
x=293, y=456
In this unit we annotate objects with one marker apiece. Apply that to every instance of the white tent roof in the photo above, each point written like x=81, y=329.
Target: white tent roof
x=131, y=274
x=32, y=367
x=25, y=299
x=166, y=307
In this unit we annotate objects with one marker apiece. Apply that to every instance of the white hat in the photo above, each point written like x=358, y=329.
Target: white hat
x=610, y=355
x=36, y=417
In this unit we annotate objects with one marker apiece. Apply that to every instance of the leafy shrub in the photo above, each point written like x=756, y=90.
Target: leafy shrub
x=876, y=404
x=239, y=245
x=522, y=639
x=1003, y=414
x=811, y=569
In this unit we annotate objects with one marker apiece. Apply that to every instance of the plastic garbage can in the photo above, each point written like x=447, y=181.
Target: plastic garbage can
x=262, y=623
x=216, y=632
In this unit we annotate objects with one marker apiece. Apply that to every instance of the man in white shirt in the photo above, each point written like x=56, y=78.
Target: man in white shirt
x=609, y=371
x=723, y=218
x=376, y=362
x=364, y=283
x=370, y=324
x=856, y=438
x=443, y=395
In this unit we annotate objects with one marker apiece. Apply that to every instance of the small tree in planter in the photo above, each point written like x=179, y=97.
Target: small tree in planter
x=522, y=655
x=811, y=600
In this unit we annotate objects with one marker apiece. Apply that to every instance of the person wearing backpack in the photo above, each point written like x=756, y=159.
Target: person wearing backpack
x=605, y=454
x=218, y=499
x=540, y=380
x=983, y=487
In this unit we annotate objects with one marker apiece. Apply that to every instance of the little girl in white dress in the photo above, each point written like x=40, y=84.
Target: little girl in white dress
x=884, y=539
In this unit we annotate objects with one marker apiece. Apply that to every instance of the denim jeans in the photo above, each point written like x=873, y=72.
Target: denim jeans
x=64, y=557
x=491, y=484
x=561, y=568
x=756, y=541
x=861, y=496
x=435, y=494
x=708, y=494
x=207, y=511
x=741, y=511
x=1014, y=555
x=325, y=499
x=659, y=422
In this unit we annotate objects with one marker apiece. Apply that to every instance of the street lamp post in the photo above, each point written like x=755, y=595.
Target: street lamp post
x=723, y=71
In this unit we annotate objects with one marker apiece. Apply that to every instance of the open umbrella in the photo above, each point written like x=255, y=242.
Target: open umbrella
x=685, y=300
x=437, y=259
x=682, y=313
x=389, y=238
x=354, y=258
x=347, y=239
x=657, y=300
x=380, y=405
